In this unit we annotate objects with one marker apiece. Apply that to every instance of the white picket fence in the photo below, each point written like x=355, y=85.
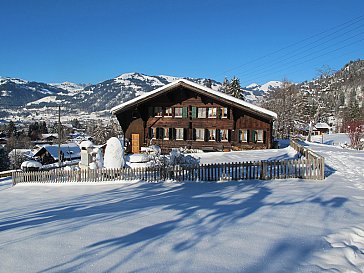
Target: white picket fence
x=312, y=166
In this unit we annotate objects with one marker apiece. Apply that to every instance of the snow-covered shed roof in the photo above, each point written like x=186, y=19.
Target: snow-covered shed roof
x=44, y=136
x=199, y=88
x=322, y=125
x=70, y=151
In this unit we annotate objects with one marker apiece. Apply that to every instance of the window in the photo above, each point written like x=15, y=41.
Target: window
x=166, y=133
x=169, y=112
x=153, y=133
x=243, y=135
x=224, y=135
x=178, y=112
x=160, y=133
x=212, y=134
x=201, y=113
x=200, y=134
x=158, y=111
x=179, y=134
x=224, y=112
x=212, y=112
x=260, y=136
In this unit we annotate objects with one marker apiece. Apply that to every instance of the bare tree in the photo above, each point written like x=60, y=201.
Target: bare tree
x=285, y=101
x=355, y=131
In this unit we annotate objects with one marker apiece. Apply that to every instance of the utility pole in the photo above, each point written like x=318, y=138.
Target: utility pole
x=59, y=135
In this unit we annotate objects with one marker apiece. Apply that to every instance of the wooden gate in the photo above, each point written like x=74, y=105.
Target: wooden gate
x=135, y=147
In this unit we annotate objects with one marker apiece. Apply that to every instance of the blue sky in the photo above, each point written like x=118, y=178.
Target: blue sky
x=90, y=41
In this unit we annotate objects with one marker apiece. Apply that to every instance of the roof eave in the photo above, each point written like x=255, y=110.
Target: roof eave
x=198, y=88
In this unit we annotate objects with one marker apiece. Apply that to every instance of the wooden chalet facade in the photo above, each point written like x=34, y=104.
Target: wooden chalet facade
x=185, y=114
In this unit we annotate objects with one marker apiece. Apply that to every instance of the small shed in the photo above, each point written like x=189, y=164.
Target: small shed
x=321, y=128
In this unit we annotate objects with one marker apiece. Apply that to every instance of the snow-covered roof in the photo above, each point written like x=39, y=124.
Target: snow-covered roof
x=197, y=87
x=322, y=125
x=86, y=144
x=70, y=150
x=44, y=136
x=31, y=164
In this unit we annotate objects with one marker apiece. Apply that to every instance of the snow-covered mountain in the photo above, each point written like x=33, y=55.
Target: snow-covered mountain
x=254, y=92
x=110, y=93
x=18, y=92
x=74, y=98
x=71, y=87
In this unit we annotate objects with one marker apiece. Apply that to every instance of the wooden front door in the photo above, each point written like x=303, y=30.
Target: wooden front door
x=135, y=147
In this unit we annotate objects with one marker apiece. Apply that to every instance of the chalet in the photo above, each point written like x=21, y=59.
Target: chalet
x=186, y=114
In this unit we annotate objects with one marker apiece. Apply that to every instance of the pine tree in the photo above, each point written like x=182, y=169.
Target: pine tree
x=225, y=87
x=235, y=89
x=4, y=160
x=11, y=129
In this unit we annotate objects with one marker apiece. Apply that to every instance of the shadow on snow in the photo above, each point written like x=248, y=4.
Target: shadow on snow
x=201, y=210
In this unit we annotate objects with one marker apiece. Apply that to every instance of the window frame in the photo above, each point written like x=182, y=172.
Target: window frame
x=223, y=113
x=226, y=135
x=212, y=132
x=154, y=133
x=166, y=133
x=212, y=112
x=177, y=134
x=168, y=112
x=158, y=113
x=260, y=133
x=175, y=112
x=203, y=134
x=203, y=110
x=243, y=136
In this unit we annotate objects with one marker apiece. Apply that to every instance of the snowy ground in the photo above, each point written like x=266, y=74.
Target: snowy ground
x=243, y=156
x=250, y=226
x=332, y=139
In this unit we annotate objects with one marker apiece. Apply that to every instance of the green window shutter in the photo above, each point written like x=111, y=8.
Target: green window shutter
x=254, y=136
x=194, y=134
x=184, y=112
x=218, y=136
x=171, y=134
x=248, y=136
x=184, y=134
x=206, y=136
x=265, y=137
x=219, y=113
x=194, y=112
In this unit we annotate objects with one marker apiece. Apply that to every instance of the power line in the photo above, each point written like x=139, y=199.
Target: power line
x=309, y=60
x=244, y=72
x=350, y=22
x=268, y=68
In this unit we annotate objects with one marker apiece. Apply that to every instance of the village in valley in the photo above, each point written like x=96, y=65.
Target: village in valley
x=232, y=166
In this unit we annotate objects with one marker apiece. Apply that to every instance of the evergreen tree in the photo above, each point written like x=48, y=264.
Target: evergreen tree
x=225, y=87
x=235, y=89
x=43, y=128
x=4, y=160
x=11, y=129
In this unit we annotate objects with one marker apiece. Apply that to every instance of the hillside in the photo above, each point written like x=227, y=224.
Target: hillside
x=334, y=97
x=327, y=98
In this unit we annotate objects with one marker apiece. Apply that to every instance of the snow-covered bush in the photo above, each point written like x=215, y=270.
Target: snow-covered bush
x=177, y=157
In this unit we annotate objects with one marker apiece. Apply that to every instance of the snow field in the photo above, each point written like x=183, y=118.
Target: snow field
x=287, y=225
